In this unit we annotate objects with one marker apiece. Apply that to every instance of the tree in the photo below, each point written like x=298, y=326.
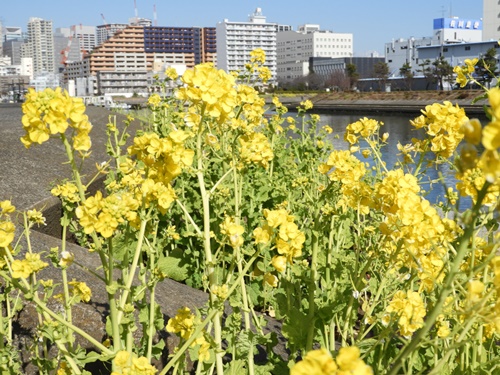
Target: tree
x=426, y=71
x=441, y=70
x=407, y=74
x=381, y=71
x=353, y=75
x=486, y=66
x=338, y=81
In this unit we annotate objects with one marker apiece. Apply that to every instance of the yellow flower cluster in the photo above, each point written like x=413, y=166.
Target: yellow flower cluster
x=183, y=324
x=288, y=240
x=233, y=232
x=320, y=362
x=104, y=215
x=210, y=91
x=443, y=124
x=474, y=170
x=345, y=168
x=126, y=363
x=413, y=228
x=255, y=148
x=7, y=228
x=30, y=264
x=51, y=112
x=364, y=127
x=464, y=72
x=80, y=290
x=67, y=191
x=409, y=308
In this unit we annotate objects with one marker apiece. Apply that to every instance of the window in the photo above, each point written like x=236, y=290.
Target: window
x=445, y=49
x=467, y=48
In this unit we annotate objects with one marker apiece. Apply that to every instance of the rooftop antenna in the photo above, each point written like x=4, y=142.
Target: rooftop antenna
x=136, y=13
x=155, y=16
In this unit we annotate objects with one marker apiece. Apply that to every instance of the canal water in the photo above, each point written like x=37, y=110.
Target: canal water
x=400, y=131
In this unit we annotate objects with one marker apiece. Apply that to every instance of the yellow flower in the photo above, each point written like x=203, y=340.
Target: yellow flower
x=263, y=234
x=21, y=269
x=306, y=104
x=349, y=362
x=276, y=217
x=122, y=359
x=491, y=135
x=80, y=290
x=472, y=131
x=67, y=259
x=36, y=217
x=182, y=323
x=141, y=366
x=154, y=100
x=233, y=231
x=264, y=74
x=271, y=280
x=67, y=191
x=6, y=207
x=279, y=263
x=315, y=362
x=258, y=56
x=7, y=231
x=171, y=73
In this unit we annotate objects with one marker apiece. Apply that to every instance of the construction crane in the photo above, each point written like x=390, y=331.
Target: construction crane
x=104, y=19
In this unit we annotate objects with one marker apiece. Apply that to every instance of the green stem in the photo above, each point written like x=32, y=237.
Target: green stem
x=133, y=268
x=312, y=284
x=210, y=316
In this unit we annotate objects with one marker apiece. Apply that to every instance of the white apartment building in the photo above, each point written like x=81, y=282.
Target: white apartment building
x=40, y=45
x=235, y=41
x=294, y=48
x=491, y=20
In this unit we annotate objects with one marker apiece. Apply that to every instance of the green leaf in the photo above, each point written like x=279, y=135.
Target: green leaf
x=173, y=266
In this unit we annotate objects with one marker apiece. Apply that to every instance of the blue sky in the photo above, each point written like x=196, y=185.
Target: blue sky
x=372, y=23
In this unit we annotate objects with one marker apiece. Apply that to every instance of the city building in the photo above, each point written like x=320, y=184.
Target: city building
x=86, y=36
x=40, y=45
x=235, y=41
x=125, y=63
x=13, y=49
x=295, y=48
x=446, y=32
x=106, y=31
x=455, y=54
x=491, y=20
x=326, y=67
x=12, y=33
x=196, y=41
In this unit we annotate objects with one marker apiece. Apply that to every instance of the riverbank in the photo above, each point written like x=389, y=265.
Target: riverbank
x=411, y=102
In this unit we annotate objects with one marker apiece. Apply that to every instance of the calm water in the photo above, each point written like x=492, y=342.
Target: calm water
x=400, y=131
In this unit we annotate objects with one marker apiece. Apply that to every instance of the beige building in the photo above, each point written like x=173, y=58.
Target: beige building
x=491, y=20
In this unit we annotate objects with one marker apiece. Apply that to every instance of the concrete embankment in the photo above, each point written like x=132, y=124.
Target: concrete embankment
x=326, y=104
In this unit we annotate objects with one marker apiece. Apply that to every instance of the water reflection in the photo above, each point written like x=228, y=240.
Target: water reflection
x=400, y=131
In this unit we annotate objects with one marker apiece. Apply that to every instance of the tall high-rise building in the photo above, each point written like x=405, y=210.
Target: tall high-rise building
x=40, y=45
x=491, y=20
x=235, y=41
x=294, y=48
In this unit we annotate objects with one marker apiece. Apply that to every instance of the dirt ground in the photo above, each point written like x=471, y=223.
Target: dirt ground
x=405, y=95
